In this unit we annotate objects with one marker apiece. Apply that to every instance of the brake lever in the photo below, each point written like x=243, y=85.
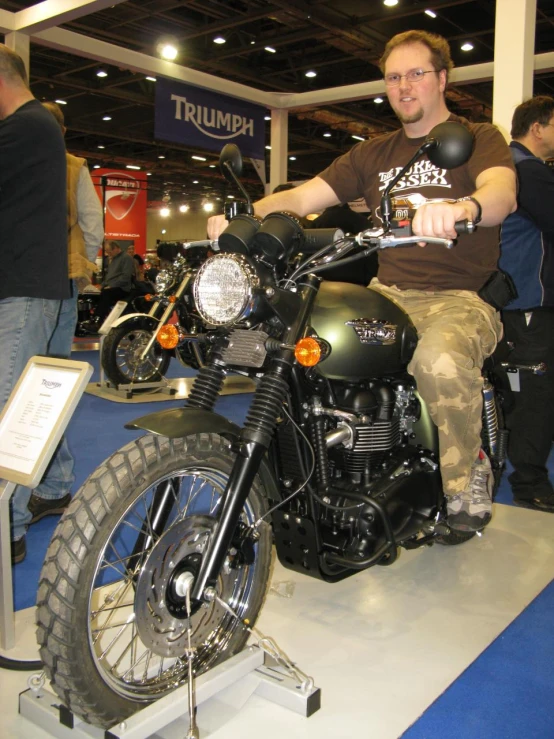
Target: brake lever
x=390, y=241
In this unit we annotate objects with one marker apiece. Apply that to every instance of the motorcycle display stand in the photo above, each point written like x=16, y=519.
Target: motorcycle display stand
x=220, y=694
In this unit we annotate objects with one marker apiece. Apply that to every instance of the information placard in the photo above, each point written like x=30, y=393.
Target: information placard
x=36, y=415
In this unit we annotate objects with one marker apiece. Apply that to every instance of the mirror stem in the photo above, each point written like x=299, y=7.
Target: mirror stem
x=249, y=207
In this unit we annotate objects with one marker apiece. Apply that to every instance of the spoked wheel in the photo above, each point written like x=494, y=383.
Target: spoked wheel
x=122, y=355
x=112, y=593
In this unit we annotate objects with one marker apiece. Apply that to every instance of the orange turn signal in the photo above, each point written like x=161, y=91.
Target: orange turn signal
x=168, y=336
x=308, y=352
x=148, y=297
x=172, y=299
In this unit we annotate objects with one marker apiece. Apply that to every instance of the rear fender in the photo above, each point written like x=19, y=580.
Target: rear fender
x=176, y=423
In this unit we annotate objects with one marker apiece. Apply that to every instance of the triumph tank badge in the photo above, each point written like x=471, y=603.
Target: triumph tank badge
x=374, y=331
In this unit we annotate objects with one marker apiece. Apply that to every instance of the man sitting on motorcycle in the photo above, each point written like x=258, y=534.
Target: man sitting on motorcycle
x=438, y=288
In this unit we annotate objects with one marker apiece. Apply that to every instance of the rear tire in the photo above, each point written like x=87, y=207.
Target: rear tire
x=110, y=625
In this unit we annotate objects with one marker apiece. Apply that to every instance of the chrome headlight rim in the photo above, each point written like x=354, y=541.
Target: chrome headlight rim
x=164, y=280
x=243, y=304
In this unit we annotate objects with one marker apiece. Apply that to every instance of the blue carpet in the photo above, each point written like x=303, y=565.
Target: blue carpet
x=491, y=699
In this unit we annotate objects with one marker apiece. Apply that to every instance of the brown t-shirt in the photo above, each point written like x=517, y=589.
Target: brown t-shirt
x=365, y=171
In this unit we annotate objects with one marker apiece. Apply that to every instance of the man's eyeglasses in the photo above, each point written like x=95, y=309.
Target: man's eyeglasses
x=414, y=75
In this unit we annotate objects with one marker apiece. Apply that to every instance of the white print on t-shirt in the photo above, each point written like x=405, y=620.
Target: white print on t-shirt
x=420, y=175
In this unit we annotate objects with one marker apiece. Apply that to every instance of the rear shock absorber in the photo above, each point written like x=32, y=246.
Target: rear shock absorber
x=490, y=419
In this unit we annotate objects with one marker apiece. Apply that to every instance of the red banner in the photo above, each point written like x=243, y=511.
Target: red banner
x=125, y=198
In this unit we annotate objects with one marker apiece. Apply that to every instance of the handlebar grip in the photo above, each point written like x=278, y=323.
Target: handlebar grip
x=316, y=238
x=464, y=227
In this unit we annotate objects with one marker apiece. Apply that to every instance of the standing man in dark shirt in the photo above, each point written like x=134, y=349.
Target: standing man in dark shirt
x=33, y=240
x=435, y=286
x=527, y=254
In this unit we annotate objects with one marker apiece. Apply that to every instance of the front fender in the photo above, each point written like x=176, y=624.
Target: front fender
x=176, y=423
x=133, y=317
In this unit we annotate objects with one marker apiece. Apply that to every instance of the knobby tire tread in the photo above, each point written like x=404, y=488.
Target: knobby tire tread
x=72, y=543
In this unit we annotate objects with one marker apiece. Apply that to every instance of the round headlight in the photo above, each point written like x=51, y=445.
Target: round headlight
x=224, y=289
x=164, y=279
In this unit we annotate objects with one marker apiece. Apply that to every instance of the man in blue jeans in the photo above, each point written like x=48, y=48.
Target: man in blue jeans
x=85, y=233
x=33, y=241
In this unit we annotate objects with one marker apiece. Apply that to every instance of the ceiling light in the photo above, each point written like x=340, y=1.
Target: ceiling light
x=168, y=51
x=267, y=117
x=252, y=42
x=161, y=156
x=96, y=166
x=151, y=79
x=131, y=166
x=270, y=49
x=468, y=46
x=200, y=159
x=149, y=174
x=211, y=166
x=164, y=231
x=358, y=138
x=431, y=13
x=165, y=212
x=230, y=196
x=219, y=40
x=183, y=208
x=195, y=182
x=390, y=3
x=311, y=73
x=101, y=73
x=107, y=118
x=378, y=101
x=268, y=147
x=100, y=146
x=61, y=102
x=208, y=207
x=292, y=159
x=327, y=134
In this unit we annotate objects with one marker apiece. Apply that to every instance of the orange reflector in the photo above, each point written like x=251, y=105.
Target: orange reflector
x=168, y=336
x=172, y=299
x=307, y=352
x=148, y=297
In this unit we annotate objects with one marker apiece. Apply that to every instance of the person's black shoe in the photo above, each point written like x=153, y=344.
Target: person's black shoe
x=537, y=504
x=90, y=327
x=41, y=507
x=19, y=550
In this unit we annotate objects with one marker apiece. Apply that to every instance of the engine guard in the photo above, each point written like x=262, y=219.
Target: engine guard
x=176, y=423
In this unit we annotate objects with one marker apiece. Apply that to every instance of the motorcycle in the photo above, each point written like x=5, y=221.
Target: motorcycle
x=337, y=464
x=130, y=354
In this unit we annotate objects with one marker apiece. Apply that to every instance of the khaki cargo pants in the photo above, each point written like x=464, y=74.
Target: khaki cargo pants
x=457, y=331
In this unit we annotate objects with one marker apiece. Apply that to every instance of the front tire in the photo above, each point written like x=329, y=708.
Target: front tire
x=121, y=352
x=110, y=628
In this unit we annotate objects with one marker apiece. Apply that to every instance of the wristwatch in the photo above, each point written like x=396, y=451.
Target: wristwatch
x=479, y=215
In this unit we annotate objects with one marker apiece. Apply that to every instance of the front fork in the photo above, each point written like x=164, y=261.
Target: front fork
x=255, y=439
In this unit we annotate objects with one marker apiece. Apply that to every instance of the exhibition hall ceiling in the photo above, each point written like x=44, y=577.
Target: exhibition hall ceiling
x=340, y=41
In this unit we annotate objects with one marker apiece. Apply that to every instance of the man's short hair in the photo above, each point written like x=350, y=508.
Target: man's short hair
x=437, y=45
x=57, y=112
x=536, y=110
x=12, y=66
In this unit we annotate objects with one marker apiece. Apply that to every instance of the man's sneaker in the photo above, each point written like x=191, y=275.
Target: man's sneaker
x=471, y=510
x=41, y=507
x=19, y=550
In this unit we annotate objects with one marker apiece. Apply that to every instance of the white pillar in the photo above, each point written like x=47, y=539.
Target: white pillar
x=279, y=148
x=20, y=43
x=514, y=48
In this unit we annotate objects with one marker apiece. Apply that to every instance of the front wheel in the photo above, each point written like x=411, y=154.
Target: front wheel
x=122, y=354
x=111, y=610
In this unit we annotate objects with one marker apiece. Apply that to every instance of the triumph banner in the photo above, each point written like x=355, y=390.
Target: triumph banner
x=196, y=117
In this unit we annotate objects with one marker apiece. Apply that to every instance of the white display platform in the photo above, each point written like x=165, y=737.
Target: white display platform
x=384, y=644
